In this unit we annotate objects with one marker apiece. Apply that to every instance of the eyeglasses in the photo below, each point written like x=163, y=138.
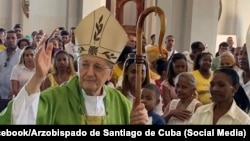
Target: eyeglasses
x=96, y=67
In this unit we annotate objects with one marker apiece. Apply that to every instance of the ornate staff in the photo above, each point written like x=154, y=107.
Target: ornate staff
x=139, y=55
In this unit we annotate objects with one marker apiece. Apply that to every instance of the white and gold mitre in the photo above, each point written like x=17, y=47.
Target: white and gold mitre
x=100, y=34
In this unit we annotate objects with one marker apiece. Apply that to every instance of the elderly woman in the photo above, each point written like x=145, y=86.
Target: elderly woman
x=179, y=110
x=223, y=109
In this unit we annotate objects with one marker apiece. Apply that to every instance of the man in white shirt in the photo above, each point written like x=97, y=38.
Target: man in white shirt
x=170, y=41
x=8, y=58
x=244, y=73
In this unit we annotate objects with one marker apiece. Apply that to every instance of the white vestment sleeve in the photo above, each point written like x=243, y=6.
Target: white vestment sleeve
x=24, y=109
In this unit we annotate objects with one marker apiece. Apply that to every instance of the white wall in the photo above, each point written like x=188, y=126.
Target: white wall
x=48, y=15
x=10, y=13
x=235, y=19
x=183, y=17
x=204, y=23
x=192, y=20
x=91, y=5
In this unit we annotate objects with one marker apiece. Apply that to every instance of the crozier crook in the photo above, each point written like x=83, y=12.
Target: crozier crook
x=139, y=55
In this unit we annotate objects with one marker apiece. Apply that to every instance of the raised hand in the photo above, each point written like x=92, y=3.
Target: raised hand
x=43, y=64
x=43, y=59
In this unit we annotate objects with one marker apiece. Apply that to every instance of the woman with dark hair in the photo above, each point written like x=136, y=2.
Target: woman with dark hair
x=22, y=72
x=128, y=81
x=23, y=42
x=223, y=109
x=57, y=44
x=177, y=64
x=62, y=70
x=118, y=67
x=162, y=69
x=203, y=75
x=128, y=85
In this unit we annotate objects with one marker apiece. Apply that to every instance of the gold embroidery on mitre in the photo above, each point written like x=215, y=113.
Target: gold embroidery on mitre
x=109, y=56
x=93, y=50
x=98, y=29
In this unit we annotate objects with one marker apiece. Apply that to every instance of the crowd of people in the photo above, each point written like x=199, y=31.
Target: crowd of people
x=88, y=76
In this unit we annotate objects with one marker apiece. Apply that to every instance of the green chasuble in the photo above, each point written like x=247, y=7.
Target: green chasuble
x=65, y=105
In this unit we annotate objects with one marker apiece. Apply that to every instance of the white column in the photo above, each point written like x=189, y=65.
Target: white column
x=204, y=22
x=191, y=20
x=150, y=21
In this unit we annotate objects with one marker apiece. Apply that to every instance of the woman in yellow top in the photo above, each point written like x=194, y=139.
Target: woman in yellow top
x=62, y=70
x=203, y=75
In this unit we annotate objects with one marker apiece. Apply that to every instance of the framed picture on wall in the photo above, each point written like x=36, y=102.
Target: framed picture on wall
x=25, y=7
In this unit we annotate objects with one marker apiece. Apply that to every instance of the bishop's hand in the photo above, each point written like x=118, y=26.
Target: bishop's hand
x=42, y=65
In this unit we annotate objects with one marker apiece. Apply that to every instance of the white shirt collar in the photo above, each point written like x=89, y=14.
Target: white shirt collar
x=94, y=104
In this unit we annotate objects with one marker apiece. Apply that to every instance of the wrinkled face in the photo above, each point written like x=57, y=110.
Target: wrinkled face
x=243, y=59
x=183, y=88
x=221, y=88
x=93, y=72
x=131, y=74
x=149, y=99
x=179, y=66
